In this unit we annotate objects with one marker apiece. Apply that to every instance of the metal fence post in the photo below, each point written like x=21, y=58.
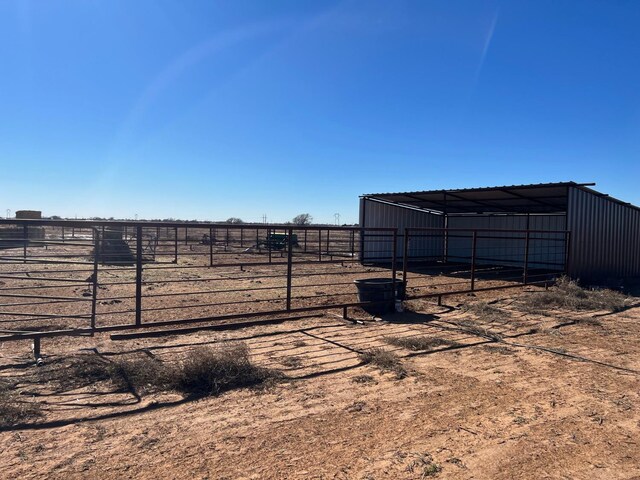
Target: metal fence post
x=445, y=242
x=405, y=256
x=139, y=275
x=473, y=259
x=289, y=266
x=353, y=243
x=211, y=246
x=241, y=237
x=175, y=246
x=269, y=243
x=25, y=240
x=328, y=233
x=394, y=267
x=319, y=244
x=567, y=254
x=525, y=273
x=94, y=278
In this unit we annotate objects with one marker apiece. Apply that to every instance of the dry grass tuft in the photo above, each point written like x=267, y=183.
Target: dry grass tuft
x=485, y=311
x=474, y=329
x=291, y=362
x=363, y=379
x=567, y=294
x=385, y=360
x=13, y=409
x=419, y=343
x=499, y=349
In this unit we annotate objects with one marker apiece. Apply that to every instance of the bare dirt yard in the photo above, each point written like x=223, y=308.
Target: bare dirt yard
x=502, y=385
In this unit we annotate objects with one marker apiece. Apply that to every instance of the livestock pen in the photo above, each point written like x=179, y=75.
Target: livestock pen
x=86, y=277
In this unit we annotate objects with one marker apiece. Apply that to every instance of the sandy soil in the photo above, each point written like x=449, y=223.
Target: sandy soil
x=521, y=407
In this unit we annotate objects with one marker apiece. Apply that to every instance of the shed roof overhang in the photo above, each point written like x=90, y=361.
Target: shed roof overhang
x=508, y=199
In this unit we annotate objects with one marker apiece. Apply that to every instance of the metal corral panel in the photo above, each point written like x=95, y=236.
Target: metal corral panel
x=378, y=214
x=546, y=250
x=605, y=237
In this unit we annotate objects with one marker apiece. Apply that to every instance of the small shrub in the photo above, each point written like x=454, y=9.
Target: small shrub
x=210, y=371
x=203, y=371
x=385, y=361
x=423, y=465
x=419, y=343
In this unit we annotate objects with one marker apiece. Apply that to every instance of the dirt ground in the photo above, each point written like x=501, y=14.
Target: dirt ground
x=509, y=396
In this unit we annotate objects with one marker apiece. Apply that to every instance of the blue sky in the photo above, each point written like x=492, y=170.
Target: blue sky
x=206, y=110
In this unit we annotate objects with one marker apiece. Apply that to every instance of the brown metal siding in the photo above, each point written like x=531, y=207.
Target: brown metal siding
x=605, y=237
x=377, y=214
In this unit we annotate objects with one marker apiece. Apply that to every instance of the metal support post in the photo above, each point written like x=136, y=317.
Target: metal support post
x=473, y=259
x=289, y=266
x=139, y=275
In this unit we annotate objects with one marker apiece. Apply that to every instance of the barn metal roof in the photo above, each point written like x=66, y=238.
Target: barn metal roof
x=532, y=198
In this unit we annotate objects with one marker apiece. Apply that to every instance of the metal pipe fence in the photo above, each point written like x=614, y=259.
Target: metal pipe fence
x=469, y=260
x=82, y=277
x=85, y=277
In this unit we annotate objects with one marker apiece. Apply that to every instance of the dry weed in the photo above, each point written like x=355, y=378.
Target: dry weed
x=385, y=361
x=419, y=343
x=567, y=294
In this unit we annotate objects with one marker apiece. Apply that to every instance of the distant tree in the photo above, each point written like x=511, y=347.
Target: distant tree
x=234, y=220
x=302, y=219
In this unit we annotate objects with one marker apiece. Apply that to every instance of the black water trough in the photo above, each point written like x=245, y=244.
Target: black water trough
x=379, y=290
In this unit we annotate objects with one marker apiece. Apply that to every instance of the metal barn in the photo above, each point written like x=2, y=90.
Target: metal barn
x=555, y=227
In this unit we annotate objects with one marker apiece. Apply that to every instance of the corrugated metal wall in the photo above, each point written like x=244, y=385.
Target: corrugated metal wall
x=378, y=214
x=605, y=237
x=546, y=250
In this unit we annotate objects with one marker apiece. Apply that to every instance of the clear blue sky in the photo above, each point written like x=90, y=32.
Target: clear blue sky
x=210, y=109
